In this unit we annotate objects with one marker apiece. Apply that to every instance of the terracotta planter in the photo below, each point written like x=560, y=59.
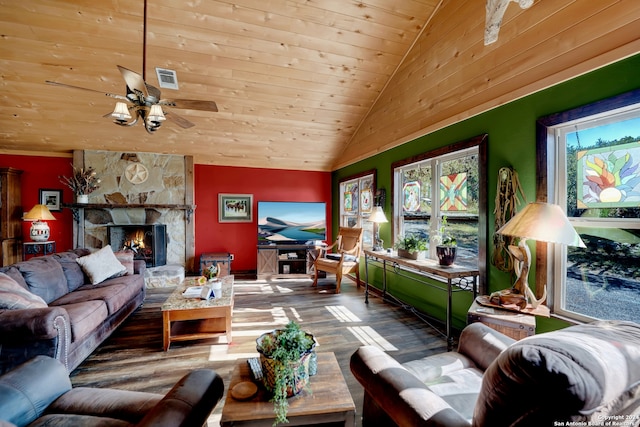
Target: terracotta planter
x=446, y=254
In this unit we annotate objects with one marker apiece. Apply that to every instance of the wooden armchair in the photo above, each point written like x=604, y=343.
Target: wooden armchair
x=344, y=259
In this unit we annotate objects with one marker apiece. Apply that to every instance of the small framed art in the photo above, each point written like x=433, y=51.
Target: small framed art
x=235, y=207
x=52, y=199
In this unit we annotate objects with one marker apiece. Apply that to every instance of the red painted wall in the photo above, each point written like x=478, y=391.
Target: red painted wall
x=266, y=185
x=42, y=172
x=211, y=236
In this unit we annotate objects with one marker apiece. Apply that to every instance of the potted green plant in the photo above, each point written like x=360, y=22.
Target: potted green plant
x=82, y=183
x=411, y=246
x=446, y=244
x=285, y=356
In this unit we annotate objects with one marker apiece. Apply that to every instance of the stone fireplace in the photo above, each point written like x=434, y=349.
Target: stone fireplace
x=139, y=189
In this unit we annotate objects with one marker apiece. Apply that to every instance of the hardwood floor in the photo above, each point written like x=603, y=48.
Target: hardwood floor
x=132, y=358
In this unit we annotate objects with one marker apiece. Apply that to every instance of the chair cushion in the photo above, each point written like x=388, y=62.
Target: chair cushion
x=113, y=404
x=592, y=369
x=116, y=294
x=85, y=317
x=101, y=265
x=337, y=257
x=13, y=296
x=453, y=377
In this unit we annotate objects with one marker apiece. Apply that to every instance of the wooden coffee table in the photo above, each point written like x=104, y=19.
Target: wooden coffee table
x=327, y=401
x=193, y=318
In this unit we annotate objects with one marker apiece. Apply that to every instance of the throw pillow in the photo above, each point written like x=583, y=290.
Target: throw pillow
x=126, y=259
x=101, y=265
x=583, y=373
x=13, y=296
x=44, y=277
x=71, y=269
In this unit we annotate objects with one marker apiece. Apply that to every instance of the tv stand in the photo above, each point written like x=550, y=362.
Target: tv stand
x=285, y=261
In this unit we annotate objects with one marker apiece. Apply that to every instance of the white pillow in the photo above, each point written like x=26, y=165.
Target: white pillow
x=101, y=265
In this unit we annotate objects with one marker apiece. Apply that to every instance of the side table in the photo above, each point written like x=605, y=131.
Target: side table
x=512, y=324
x=38, y=248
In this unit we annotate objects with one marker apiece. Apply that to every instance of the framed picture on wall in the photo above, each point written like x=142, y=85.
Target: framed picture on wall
x=235, y=207
x=52, y=199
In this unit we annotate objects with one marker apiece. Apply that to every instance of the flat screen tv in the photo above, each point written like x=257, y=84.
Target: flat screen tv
x=291, y=222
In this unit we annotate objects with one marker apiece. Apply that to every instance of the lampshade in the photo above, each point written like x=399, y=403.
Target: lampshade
x=156, y=114
x=39, y=231
x=377, y=215
x=544, y=222
x=121, y=112
x=38, y=213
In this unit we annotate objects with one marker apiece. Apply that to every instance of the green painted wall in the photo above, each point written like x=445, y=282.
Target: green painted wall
x=511, y=130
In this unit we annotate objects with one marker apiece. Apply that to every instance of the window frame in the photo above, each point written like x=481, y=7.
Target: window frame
x=361, y=218
x=549, y=258
x=481, y=142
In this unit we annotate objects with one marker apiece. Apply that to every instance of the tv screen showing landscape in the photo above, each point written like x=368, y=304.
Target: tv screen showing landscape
x=291, y=222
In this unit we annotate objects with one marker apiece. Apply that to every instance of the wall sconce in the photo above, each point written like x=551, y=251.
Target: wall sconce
x=39, y=228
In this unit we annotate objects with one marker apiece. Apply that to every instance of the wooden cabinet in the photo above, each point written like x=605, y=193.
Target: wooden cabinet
x=285, y=261
x=10, y=216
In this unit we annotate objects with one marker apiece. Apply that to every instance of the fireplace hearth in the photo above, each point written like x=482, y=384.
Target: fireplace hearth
x=148, y=242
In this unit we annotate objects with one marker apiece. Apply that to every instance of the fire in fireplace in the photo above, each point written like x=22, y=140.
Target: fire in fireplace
x=148, y=242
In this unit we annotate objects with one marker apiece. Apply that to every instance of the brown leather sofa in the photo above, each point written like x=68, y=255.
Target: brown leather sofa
x=39, y=393
x=581, y=375
x=58, y=312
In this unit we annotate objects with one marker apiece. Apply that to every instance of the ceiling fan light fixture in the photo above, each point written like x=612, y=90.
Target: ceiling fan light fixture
x=156, y=114
x=121, y=112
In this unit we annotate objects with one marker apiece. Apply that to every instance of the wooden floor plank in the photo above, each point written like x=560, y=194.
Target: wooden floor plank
x=132, y=358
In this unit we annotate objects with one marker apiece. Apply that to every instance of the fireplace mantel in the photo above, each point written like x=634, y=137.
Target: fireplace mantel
x=76, y=206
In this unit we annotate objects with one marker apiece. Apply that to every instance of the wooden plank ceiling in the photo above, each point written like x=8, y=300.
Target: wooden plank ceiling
x=300, y=84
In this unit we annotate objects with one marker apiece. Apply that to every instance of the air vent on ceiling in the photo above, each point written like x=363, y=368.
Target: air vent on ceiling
x=167, y=78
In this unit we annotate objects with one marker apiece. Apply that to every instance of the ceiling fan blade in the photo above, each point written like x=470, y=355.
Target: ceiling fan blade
x=190, y=104
x=179, y=120
x=134, y=81
x=154, y=93
x=112, y=95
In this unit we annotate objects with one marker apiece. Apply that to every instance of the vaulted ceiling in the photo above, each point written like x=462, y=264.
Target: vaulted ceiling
x=299, y=84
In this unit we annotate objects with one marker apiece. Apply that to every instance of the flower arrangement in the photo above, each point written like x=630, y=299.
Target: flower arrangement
x=83, y=181
x=212, y=272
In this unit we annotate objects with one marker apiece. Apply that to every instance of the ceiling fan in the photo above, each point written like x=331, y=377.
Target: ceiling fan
x=144, y=103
